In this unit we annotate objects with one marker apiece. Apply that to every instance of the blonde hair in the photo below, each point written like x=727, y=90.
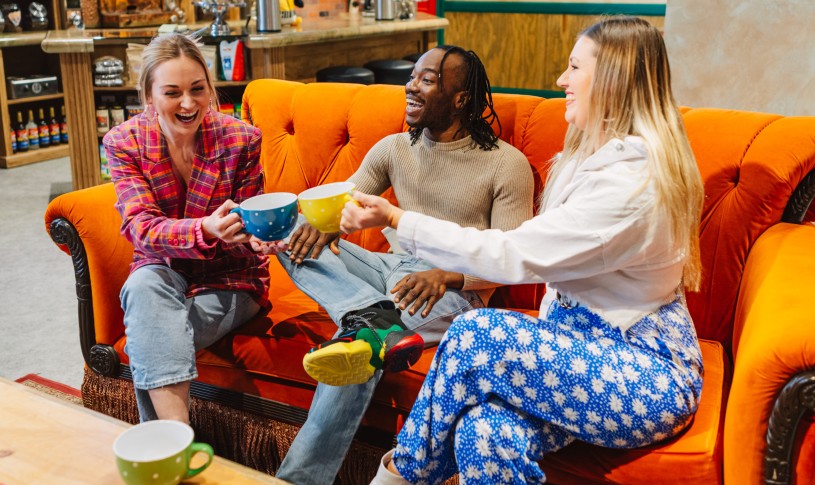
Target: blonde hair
x=167, y=47
x=631, y=95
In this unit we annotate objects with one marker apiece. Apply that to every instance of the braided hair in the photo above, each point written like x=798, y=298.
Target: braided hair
x=477, y=113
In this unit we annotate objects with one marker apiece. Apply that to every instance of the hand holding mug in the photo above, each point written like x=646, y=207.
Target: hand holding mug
x=367, y=211
x=224, y=225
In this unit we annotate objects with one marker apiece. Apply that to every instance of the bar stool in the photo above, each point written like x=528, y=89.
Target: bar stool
x=391, y=71
x=414, y=58
x=345, y=74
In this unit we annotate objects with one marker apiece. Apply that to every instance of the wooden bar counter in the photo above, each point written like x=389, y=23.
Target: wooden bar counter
x=295, y=53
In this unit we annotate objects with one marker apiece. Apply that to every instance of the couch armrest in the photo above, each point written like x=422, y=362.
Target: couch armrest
x=85, y=224
x=773, y=342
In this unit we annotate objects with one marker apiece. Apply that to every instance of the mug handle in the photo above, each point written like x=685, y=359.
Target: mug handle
x=351, y=197
x=237, y=210
x=198, y=448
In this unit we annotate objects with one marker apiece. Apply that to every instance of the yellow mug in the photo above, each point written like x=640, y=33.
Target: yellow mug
x=322, y=205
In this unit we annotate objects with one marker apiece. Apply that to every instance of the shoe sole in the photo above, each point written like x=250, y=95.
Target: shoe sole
x=340, y=364
x=402, y=350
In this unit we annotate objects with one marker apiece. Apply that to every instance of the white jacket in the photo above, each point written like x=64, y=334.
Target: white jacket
x=599, y=241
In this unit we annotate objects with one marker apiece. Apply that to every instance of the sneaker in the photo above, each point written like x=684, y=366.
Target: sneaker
x=372, y=339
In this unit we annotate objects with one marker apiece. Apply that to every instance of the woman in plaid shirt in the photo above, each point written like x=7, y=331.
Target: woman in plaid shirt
x=178, y=168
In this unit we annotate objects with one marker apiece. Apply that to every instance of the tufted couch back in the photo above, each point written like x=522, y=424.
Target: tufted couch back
x=307, y=142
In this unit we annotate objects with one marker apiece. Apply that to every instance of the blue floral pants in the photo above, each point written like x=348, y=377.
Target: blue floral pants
x=506, y=388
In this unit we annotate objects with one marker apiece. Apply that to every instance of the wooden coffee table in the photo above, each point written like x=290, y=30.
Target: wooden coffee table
x=44, y=440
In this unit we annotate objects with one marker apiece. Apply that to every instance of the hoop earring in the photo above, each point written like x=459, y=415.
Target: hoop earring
x=212, y=104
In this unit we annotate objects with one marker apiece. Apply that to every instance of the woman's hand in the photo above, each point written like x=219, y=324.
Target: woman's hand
x=224, y=225
x=268, y=248
x=368, y=211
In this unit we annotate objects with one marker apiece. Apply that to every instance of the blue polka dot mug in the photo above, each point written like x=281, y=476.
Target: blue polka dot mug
x=269, y=217
x=158, y=452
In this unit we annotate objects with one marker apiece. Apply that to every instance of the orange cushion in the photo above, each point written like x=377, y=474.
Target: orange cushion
x=692, y=457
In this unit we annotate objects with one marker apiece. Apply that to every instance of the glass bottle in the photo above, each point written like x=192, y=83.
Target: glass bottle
x=53, y=127
x=33, y=132
x=63, y=125
x=45, y=131
x=13, y=140
x=22, y=134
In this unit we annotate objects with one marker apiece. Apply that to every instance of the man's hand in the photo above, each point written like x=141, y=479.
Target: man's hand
x=307, y=241
x=424, y=288
x=224, y=225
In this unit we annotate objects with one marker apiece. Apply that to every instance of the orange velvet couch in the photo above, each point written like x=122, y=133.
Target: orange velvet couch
x=753, y=313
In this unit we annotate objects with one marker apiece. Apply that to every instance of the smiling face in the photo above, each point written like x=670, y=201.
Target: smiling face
x=180, y=96
x=432, y=103
x=577, y=80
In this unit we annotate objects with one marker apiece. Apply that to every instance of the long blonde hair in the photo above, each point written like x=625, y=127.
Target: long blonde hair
x=167, y=47
x=631, y=95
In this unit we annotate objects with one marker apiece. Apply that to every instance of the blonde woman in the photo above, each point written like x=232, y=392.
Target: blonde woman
x=178, y=168
x=613, y=359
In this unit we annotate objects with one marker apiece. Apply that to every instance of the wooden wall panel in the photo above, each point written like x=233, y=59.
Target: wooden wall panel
x=523, y=51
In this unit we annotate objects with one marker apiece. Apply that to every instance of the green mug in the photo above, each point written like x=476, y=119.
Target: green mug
x=158, y=452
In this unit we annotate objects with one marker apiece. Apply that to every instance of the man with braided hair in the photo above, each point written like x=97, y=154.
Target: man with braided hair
x=451, y=164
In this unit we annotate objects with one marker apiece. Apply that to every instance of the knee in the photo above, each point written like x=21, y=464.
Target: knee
x=150, y=282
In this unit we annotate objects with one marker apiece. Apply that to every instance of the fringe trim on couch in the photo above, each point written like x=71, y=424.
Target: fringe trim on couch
x=255, y=441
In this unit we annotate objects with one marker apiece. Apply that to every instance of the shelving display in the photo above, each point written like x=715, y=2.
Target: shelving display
x=22, y=58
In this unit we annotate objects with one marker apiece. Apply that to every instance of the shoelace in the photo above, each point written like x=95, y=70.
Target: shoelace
x=355, y=320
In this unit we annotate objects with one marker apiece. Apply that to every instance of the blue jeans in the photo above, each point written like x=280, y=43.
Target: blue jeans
x=355, y=279
x=164, y=328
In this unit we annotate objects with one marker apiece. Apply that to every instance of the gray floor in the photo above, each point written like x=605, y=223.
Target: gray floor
x=38, y=314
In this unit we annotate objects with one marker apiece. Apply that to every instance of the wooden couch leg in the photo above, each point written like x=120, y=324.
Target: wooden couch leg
x=797, y=397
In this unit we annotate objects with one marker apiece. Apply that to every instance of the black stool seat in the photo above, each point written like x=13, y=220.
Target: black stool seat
x=391, y=71
x=345, y=74
x=413, y=57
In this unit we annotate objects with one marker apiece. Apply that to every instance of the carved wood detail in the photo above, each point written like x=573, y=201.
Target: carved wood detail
x=797, y=397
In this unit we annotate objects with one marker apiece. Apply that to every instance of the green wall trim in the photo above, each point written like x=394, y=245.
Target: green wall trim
x=440, y=13
x=645, y=9
x=543, y=93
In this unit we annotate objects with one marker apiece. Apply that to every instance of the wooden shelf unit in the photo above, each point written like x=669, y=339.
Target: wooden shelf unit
x=35, y=99
x=26, y=58
x=32, y=156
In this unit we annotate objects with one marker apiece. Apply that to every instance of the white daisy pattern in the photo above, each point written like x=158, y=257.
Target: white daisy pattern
x=506, y=388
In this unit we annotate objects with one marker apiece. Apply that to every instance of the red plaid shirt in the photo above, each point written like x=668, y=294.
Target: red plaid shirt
x=163, y=228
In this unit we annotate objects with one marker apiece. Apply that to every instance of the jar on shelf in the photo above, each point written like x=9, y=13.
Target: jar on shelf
x=102, y=120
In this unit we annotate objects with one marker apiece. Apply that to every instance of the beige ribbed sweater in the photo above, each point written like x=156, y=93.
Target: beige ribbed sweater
x=455, y=181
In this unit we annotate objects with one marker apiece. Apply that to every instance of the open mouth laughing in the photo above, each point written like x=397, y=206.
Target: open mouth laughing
x=413, y=105
x=186, y=118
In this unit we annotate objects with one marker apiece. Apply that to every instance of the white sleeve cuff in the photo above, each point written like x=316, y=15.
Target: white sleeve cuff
x=407, y=231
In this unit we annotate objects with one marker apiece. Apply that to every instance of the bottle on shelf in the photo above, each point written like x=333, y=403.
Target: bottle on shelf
x=13, y=140
x=63, y=125
x=22, y=134
x=44, y=132
x=33, y=132
x=53, y=127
